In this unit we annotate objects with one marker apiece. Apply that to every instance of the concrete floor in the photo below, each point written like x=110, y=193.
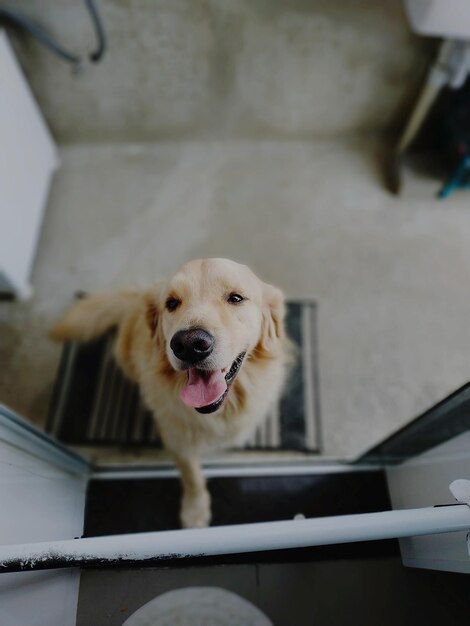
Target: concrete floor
x=324, y=593
x=390, y=276
x=237, y=68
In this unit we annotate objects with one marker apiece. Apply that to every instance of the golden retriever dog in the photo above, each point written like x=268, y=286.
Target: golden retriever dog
x=209, y=352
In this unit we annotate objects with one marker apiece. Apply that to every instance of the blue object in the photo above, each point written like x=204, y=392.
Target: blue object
x=459, y=178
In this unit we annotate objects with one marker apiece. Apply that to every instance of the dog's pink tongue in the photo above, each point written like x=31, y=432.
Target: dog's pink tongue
x=203, y=389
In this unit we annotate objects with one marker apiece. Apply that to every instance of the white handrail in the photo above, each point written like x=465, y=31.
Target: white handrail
x=235, y=539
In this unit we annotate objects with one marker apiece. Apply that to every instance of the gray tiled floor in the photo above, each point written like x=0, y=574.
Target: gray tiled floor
x=323, y=593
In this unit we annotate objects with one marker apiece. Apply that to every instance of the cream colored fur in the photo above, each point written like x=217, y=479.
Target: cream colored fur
x=145, y=327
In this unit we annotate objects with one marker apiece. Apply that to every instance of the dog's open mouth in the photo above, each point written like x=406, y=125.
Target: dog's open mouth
x=206, y=390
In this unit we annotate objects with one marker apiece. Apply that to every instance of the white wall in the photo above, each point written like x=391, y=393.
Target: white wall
x=39, y=501
x=424, y=481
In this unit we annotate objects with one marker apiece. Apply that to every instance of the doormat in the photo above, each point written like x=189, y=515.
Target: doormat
x=93, y=404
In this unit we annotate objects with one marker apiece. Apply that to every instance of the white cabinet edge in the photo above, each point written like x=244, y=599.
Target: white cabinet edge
x=28, y=160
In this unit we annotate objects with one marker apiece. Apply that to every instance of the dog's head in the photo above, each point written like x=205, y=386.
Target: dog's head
x=210, y=317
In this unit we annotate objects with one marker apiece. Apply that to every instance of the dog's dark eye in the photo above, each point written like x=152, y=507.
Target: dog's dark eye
x=172, y=304
x=235, y=298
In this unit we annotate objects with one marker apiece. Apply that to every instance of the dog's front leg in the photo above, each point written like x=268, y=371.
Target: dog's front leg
x=196, y=502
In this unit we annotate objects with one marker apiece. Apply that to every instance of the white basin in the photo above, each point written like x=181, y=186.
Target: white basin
x=441, y=18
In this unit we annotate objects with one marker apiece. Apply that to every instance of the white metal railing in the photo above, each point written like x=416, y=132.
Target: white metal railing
x=242, y=538
x=235, y=539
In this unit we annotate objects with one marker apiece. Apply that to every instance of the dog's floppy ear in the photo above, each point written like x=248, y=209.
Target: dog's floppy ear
x=274, y=311
x=152, y=311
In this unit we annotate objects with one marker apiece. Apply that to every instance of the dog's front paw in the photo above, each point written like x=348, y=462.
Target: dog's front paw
x=196, y=510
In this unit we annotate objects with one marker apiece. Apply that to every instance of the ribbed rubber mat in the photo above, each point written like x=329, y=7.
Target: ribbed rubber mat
x=95, y=405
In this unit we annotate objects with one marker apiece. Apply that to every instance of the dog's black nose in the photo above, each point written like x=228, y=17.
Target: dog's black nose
x=192, y=345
